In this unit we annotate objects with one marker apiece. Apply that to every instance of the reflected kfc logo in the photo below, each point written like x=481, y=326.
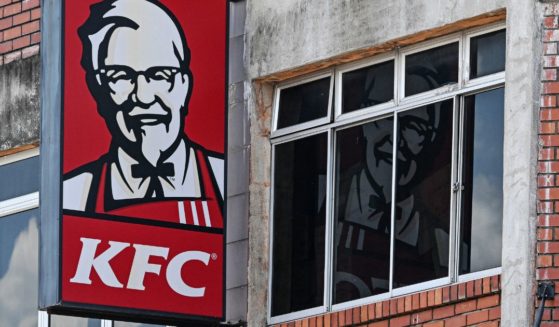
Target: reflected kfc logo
x=141, y=266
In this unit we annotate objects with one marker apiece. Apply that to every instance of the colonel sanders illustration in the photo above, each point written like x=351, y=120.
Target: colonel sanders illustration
x=136, y=60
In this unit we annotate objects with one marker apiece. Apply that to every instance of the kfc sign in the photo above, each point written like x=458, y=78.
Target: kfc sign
x=142, y=158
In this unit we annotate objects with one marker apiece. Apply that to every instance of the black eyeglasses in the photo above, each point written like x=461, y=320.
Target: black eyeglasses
x=122, y=79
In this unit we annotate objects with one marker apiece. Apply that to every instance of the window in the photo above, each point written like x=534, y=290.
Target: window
x=396, y=185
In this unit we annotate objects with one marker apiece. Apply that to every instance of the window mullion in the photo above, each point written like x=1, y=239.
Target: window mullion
x=329, y=243
x=395, y=141
x=456, y=189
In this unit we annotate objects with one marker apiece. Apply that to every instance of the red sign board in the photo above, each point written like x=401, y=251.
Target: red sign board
x=143, y=157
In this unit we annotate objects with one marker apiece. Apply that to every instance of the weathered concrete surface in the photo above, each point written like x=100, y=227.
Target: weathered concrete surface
x=19, y=103
x=524, y=57
x=291, y=33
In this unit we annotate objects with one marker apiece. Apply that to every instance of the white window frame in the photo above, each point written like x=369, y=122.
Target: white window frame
x=400, y=103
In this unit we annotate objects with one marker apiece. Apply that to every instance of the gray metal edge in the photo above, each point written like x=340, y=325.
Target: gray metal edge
x=51, y=95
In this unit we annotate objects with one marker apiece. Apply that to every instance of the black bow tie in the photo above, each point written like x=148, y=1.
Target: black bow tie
x=146, y=170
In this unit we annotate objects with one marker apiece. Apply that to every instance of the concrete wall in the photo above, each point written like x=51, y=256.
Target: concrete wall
x=19, y=103
x=291, y=33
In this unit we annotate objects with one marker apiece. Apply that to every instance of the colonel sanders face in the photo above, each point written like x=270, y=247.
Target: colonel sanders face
x=139, y=75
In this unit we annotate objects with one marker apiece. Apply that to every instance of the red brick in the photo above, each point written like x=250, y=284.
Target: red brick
x=319, y=321
x=545, y=234
x=548, y=247
x=544, y=261
x=549, y=114
x=551, y=35
x=430, y=298
x=547, y=128
x=438, y=296
x=30, y=27
x=415, y=302
x=5, y=46
x=544, y=207
x=551, y=193
x=443, y=312
x=488, y=302
x=550, y=48
x=549, y=140
x=5, y=2
x=550, y=61
x=21, y=18
x=385, y=309
x=5, y=23
x=12, y=33
x=547, y=273
x=312, y=322
x=434, y=324
x=470, y=289
x=550, y=22
x=379, y=324
x=548, y=101
x=495, y=283
x=28, y=4
x=477, y=317
x=327, y=320
x=344, y=317
x=356, y=315
x=457, y=321
x=378, y=310
x=548, y=167
x=462, y=290
x=422, y=317
x=371, y=311
x=36, y=14
x=407, y=303
x=36, y=38
x=486, y=285
x=466, y=306
x=423, y=299
x=400, y=321
x=298, y=323
x=549, y=74
x=494, y=313
x=478, y=287
x=21, y=42
x=305, y=323
x=454, y=293
x=364, y=314
x=12, y=9
x=548, y=220
x=546, y=180
x=393, y=306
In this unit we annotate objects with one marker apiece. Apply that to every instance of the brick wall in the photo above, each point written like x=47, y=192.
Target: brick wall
x=19, y=29
x=474, y=303
x=548, y=165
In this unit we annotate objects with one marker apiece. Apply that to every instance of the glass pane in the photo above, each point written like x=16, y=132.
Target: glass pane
x=303, y=103
x=22, y=177
x=134, y=324
x=487, y=54
x=299, y=221
x=423, y=175
x=430, y=69
x=67, y=321
x=482, y=210
x=19, y=269
x=363, y=210
x=368, y=86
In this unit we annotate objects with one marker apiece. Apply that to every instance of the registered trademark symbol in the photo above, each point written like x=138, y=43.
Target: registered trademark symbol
x=214, y=256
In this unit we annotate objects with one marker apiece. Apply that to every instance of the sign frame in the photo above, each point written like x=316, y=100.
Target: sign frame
x=51, y=211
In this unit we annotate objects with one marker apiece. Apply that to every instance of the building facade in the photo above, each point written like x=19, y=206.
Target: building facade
x=389, y=163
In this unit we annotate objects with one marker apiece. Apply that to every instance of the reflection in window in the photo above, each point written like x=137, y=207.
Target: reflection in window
x=481, y=230
x=431, y=69
x=487, y=54
x=423, y=175
x=67, y=321
x=19, y=269
x=22, y=177
x=303, y=103
x=367, y=86
x=299, y=222
x=363, y=210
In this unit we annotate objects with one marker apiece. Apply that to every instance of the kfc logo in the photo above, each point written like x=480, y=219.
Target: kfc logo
x=137, y=68
x=140, y=266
